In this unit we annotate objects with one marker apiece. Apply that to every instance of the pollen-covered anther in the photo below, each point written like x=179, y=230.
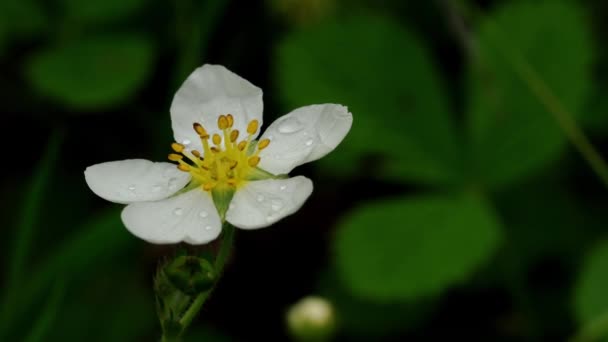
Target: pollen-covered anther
x=222, y=122
x=263, y=144
x=177, y=147
x=230, y=120
x=184, y=167
x=253, y=161
x=175, y=157
x=233, y=164
x=214, y=149
x=252, y=127
x=208, y=186
x=234, y=135
x=217, y=139
x=241, y=146
x=200, y=130
x=196, y=153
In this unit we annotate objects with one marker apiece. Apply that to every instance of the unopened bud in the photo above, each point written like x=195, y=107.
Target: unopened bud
x=311, y=319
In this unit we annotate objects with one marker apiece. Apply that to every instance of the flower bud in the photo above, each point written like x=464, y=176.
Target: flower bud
x=311, y=319
x=190, y=274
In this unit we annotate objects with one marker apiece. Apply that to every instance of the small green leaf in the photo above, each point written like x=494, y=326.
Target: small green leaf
x=94, y=73
x=403, y=249
x=387, y=79
x=512, y=133
x=591, y=301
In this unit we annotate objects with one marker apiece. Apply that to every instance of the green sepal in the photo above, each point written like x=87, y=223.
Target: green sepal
x=222, y=196
x=190, y=274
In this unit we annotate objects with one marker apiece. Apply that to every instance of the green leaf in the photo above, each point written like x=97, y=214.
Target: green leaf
x=92, y=243
x=100, y=11
x=94, y=73
x=403, y=249
x=48, y=315
x=591, y=301
x=19, y=18
x=512, y=133
x=387, y=79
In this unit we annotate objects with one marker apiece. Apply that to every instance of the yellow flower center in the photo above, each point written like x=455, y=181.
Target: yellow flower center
x=225, y=161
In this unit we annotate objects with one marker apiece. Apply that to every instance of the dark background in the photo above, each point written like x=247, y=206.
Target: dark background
x=456, y=208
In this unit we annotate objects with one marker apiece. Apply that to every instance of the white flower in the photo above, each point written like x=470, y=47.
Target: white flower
x=223, y=172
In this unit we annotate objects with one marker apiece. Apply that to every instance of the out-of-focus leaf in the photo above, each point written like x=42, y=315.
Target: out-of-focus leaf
x=387, y=79
x=91, y=244
x=94, y=73
x=27, y=222
x=20, y=18
x=48, y=315
x=590, y=300
x=512, y=133
x=404, y=249
x=100, y=11
x=205, y=334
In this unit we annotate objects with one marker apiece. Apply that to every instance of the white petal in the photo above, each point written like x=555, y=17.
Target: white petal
x=189, y=217
x=261, y=203
x=306, y=134
x=210, y=91
x=135, y=180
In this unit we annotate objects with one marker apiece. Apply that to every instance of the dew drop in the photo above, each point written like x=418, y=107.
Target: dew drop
x=172, y=183
x=283, y=187
x=309, y=142
x=290, y=125
x=208, y=227
x=132, y=187
x=260, y=198
x=157, y=188
x=203, y=214
x=178, y=211
x=276, y=204
x=269, y=218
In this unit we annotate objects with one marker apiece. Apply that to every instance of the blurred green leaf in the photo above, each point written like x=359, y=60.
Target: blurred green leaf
x=403, y=249
x=386, y=78
x=48, y=315
x=100, y=11
x=590, y=300
x=92, y=74
x=92, y=243
x=513, y=135
x=27, y=222
x=20, y=18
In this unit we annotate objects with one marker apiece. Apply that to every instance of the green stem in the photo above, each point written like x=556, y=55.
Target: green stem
x=220, y=261
x=594, y=331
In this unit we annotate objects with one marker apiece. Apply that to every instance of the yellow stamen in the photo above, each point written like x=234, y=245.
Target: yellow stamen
x=252, y=127
x=242, y=145
x=230, y=120
x=217, y=139
x=234, y=135
x=222, y=122
x=175, y=157
x=184, y=167
x=200, y=130
x=208, y=186
x=214, y=149
x=253, y=161
x=263, y=144
x=196, y=153
x=179, y=148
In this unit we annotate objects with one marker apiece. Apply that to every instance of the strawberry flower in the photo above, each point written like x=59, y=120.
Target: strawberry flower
x=221, y=171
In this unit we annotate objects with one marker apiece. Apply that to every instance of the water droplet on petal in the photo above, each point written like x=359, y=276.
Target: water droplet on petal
x=208, y=227
x=186, y=142
x=309, y=142
x=290, y=125
x=260, y=198
x=172, y=183
x=157, y=188
x=283, y=187
x=132, y=187
x=276, y=204
x=269, y=218
x=178, y=211
x=203, y=214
